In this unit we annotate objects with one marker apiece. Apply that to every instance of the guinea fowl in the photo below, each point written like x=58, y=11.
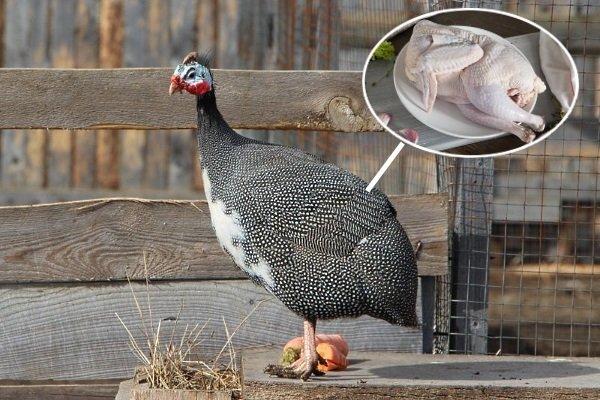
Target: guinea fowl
x=305, y=230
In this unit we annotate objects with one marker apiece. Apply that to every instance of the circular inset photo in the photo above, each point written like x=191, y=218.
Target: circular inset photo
x=470, y=82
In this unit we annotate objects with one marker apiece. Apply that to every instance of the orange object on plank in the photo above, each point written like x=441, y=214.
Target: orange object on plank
x=334, y=359
x=332, y=348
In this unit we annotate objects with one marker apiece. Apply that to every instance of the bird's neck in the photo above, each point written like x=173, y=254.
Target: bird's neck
x=215, y=136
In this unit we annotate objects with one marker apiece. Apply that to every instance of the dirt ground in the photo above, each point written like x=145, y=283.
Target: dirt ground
x=280, y=391
x=261, y=391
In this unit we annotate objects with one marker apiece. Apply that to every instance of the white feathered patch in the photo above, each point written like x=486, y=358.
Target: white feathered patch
x=230, y=233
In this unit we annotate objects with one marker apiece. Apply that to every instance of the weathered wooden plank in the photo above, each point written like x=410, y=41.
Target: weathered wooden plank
x=285, y=37
x=71, y=331
x=87, y=48
x=181, y=161
x=30, y=196
x=131, y=159
x=61, y=48
x=308, y=31
x=26, y=39
x=226, y=51
x=138, y=99
x=99, y=240
x=197, y=182
x=253, y=43
x=71, y=390
x=183, y=38
x=2, y=24
x=327, y=37
x=154, y=48
x=14, y=158
x=182, y=31
x=59, y=158
x=208, y=23
x=270, y=391
x=108, y=158
x=111, y=56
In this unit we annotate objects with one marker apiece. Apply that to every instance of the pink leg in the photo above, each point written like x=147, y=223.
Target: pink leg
x=304, y=367
x=311, y=359
x=494, y=101
x=475, y=115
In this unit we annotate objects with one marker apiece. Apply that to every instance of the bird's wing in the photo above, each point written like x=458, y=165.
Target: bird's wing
x=311, y=204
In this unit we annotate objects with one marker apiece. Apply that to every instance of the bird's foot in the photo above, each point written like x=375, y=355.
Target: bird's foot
x=524, y=133
x=298, y=370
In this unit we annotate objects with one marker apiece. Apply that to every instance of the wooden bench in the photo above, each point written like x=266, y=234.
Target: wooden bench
x=64, y=266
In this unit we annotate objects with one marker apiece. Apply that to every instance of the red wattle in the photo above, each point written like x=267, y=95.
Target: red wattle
x=198, y=88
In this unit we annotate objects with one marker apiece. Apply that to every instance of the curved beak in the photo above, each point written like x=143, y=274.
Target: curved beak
x=174, y=87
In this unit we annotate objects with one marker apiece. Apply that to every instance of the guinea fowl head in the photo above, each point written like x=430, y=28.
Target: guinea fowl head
x=193, y=76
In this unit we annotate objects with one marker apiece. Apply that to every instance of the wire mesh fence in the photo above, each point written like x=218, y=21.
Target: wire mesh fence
x=526, y=227
x=536, y=289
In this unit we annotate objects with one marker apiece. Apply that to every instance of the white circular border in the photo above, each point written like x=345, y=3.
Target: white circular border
x=411, y=22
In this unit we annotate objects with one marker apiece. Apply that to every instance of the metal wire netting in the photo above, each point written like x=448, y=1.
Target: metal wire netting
x=537, y=294
x=526, y=227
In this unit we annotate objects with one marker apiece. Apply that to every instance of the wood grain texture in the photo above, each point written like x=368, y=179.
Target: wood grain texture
x=327, y=38
x=87, y=49
x=183, y=38
x=226, y=49
x=181, y=161
x=2, y=24
x=30, y=196
x=59, y=158
x=100, y=240
x=26, y=38
x=143, y=393
x=208, y=28
x=111, y=37
x=138, y=99
x=74, y=390
x=61, y=48
x=64, y=332
x=154, y=48
x=285, y=391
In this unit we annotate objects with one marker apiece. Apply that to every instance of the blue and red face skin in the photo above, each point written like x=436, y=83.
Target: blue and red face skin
x=193, y=77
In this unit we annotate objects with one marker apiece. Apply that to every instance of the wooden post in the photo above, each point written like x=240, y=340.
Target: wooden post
x=471, y=231
x=83, y=146
x=62, y=55
x=111, y=56
x=328, y=39
x=183, y=38
x=26, y=38
x=428, y=311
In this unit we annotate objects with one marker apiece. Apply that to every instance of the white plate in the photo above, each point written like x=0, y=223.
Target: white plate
x=445, y=117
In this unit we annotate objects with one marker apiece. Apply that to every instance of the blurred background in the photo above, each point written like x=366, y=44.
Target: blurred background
x=526, y=227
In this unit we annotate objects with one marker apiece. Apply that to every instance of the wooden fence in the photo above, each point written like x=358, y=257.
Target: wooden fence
x=70, y=134
x=63, y=266
x=74, y=164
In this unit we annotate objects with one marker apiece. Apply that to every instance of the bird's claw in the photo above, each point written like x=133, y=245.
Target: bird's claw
x=291, y=373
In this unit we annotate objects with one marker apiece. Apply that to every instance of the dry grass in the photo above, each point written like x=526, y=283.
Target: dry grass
x=171, y=364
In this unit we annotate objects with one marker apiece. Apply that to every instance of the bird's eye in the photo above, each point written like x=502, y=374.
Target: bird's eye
x=191, y=74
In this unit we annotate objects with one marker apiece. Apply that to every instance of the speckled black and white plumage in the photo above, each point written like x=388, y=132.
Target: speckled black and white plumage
x=305, y=230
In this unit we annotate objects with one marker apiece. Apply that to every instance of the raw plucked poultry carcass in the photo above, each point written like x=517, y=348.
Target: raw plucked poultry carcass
x=489, y=81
